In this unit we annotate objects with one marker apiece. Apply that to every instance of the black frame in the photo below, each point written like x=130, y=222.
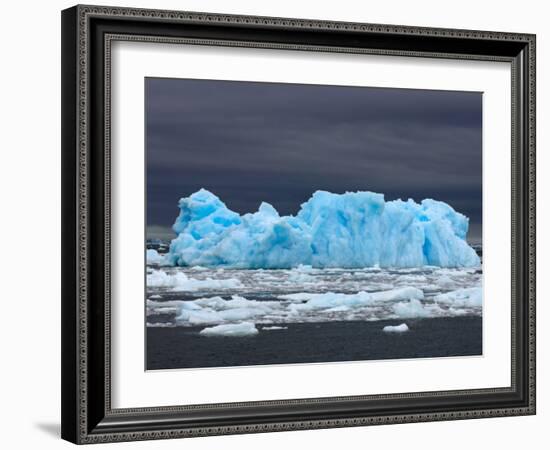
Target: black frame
x=87, y=33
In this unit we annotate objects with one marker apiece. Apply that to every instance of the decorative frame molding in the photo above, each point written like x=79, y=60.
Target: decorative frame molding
x=88, y=31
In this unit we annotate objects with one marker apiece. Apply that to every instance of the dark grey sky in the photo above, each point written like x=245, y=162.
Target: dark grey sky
x=252, y=142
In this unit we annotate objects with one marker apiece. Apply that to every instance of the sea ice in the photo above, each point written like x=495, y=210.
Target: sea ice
x=403, y=303
x=398, y=294
x=233, y=329
x=355, y=229
x=396, y=328
x=160, y=325
x=218, y=310
x=339, y=301
x=467, y=297
x=329, y=300
x=416, y=309
x=153, y=257
x=181, y=282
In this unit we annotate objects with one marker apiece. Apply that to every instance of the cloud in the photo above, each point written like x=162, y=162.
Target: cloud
x=253, y=142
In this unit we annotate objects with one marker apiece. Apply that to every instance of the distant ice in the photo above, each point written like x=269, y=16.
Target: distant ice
x=350, y=230
x=398, y=294
x=153, y=257
x=160, y=325
x=237, y=329
x=274, y=328
x=181, y=282
x=396, y=328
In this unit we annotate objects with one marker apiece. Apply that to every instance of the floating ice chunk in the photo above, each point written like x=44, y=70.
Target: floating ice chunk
x=298, y=276
x=171, y=303
x=190, y=305
x=341, y=302
x=445, y=281
x=160, y=325
x=467, y=297
x=456, y=312
x=159, y=278
x=219, y=310
x=398, y=294
x=167, y=307
x=198, y=317
x=415, y=309
x=355, y=229
x=396, y=328
x=275, y=328
x=231, y=315
x=236, y=302
x=300, y=296
x=342, y=308
x=328, y=300
x=411, y=279
x=237, y=329
x=153, y=257
x=181, y=282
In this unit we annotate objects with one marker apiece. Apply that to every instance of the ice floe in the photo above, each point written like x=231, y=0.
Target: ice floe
x=237, y=329
x=396, y=328
x=160, y=325
x=466, y=297
x=416, y=309
x=181, y=282
x=153, y=257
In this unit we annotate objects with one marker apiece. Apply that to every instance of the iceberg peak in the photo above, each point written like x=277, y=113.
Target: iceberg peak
x=354, y=229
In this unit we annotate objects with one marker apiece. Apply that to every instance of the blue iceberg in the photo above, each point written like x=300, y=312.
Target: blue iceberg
x=351, y=230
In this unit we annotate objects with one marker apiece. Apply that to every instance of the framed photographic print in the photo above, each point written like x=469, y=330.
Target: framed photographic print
x=277, y=224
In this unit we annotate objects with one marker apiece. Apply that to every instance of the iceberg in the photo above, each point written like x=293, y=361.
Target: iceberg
x=350, y=230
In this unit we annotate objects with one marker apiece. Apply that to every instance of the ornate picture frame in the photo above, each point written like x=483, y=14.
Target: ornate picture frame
x=88, y=33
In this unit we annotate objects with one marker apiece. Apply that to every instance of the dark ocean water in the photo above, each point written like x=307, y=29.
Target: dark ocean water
x=184, y=347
